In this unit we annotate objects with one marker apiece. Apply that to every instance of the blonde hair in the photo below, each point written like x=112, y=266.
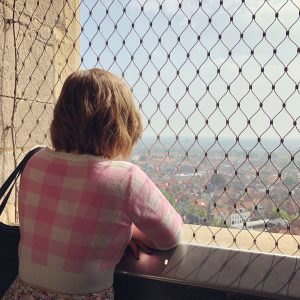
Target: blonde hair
x=95, y=114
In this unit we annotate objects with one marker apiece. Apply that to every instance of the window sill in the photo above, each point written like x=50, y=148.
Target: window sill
x=229, y=271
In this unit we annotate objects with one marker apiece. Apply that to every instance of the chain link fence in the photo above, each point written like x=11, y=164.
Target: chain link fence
x=216, y=82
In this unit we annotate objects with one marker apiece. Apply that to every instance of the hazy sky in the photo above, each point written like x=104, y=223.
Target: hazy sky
x=179, y=72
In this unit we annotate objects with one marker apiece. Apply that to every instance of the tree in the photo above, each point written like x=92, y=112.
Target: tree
x=199, y=211
x=217, y=223
x=281, y=214
x=290, y=181
x=218, y=179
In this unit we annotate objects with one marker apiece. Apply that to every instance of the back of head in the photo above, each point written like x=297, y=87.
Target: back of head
x=95, y=114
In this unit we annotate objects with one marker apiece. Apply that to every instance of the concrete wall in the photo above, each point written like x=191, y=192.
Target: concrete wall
x=46, y=36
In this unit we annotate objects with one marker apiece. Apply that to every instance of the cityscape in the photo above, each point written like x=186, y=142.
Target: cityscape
x=243, y=185
x=228, y=68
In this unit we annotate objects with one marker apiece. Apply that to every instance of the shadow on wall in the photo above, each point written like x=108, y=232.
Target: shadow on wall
x=197, y=272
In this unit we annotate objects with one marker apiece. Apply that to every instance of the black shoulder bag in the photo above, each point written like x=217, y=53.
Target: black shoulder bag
x=10, y=235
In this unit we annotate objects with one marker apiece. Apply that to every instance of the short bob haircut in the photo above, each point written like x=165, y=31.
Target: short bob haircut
x=95, y=114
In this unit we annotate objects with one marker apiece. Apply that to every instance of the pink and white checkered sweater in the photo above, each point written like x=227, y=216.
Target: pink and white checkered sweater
x=76, y=214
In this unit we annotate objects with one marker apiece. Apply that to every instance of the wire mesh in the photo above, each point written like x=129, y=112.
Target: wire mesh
x=217, y=84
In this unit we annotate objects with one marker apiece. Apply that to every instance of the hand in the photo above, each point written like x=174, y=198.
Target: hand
x=136, y=246
x=141, y=238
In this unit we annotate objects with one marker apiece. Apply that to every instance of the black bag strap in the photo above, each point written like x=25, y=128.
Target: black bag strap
x=11, y=180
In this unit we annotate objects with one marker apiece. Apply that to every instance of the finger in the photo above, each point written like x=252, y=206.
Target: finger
x=135, y=249
x=145, y=249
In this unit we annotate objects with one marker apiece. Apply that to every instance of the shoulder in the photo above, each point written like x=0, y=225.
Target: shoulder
x=127, y=167
x=132, y=172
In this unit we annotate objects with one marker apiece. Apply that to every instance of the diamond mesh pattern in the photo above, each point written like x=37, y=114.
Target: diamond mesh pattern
x=217, y=84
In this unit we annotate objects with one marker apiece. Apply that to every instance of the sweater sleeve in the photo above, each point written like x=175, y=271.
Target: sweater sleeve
x=152, y=213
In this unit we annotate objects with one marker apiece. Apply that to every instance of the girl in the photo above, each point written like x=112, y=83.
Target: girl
x=81, y=203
